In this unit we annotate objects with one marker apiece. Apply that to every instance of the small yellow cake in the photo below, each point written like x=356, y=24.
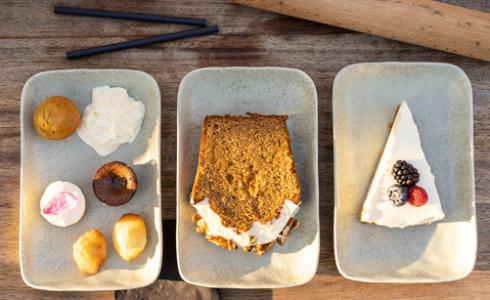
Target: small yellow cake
x=89, y=252
x=129, y=236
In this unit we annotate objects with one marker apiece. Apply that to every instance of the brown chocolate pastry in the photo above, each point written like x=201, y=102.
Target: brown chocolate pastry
x=115, y=183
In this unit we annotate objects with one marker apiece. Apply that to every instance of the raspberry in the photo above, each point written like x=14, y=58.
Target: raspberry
x=417, y=196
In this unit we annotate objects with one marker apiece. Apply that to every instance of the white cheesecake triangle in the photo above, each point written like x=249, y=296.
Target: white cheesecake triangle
x=403, y=144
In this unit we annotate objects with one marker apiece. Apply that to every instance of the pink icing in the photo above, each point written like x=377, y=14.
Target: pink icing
x=60, y=202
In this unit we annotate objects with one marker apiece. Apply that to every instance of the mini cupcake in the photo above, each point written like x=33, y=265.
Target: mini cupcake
x=56, y=118
x=115, y=183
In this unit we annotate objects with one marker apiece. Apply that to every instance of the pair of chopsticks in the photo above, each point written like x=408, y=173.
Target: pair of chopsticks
x=203, y=23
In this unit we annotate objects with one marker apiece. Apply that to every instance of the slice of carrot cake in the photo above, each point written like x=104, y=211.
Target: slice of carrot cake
x=246, y=189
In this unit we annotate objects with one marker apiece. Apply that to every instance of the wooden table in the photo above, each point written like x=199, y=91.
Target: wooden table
x=33, y=39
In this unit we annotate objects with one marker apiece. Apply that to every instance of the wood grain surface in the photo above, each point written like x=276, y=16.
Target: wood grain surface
x=33, y=39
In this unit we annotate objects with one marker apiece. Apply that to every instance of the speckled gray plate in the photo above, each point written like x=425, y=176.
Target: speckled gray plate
x=238, y=91
x=45, y=250
x=365, y=99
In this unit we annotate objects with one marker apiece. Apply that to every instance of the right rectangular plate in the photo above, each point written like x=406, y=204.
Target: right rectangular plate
x=365, y=99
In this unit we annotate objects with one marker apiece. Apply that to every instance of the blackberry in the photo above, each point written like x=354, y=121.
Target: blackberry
x=405, y=174
x=398, y=194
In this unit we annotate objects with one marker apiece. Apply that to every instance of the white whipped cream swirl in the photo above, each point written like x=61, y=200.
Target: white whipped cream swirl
x=111, y=120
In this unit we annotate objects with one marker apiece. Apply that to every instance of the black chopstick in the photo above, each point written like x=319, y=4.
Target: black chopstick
x=128, y=16
x=143, y=42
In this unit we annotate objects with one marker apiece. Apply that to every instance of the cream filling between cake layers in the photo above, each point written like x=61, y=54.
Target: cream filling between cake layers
x=263, y=233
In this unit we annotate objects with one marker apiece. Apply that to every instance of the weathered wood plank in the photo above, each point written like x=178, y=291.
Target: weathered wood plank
x=26, y=22
x=32, y=39
x=35, y=19
x=335, y=287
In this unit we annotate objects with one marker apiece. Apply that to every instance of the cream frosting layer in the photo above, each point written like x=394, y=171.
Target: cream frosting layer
x=111, y=120
x=264, y=233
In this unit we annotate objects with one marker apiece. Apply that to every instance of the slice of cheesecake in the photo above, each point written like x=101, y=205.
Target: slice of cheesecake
x=394, y=197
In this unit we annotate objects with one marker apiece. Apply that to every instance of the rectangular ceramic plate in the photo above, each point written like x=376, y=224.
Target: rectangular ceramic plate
x=46, y=250
x=365, y=100
x=236, y=91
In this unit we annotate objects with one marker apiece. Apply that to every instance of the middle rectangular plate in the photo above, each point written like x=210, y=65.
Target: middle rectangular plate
x=236, y=91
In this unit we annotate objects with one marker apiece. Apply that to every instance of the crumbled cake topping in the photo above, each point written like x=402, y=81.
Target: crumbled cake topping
x=259, y=249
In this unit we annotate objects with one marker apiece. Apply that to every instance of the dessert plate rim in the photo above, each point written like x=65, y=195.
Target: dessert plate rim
x=398, y=67
x=156, y=218
x=234, y=282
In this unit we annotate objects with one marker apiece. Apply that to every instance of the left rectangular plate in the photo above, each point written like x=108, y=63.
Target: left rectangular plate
x=45, y=250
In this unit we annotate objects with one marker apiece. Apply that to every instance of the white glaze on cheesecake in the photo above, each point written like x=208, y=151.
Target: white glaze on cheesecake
x=403, y=144
x=264, y=233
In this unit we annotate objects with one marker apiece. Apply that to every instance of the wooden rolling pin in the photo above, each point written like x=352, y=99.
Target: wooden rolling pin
x=425, y=23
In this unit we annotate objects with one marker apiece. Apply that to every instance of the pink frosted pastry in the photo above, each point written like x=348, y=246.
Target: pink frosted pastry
x=62, y=203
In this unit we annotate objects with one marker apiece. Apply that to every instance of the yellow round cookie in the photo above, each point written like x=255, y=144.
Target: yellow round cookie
x=56, y=118
x=89, y=252
x=129, y=236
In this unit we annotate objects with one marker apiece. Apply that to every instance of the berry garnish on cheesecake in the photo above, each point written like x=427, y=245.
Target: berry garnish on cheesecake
x=402, y=176
x=398, y=194
x=417, y=196
x=405, y=190
x=405, y=174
